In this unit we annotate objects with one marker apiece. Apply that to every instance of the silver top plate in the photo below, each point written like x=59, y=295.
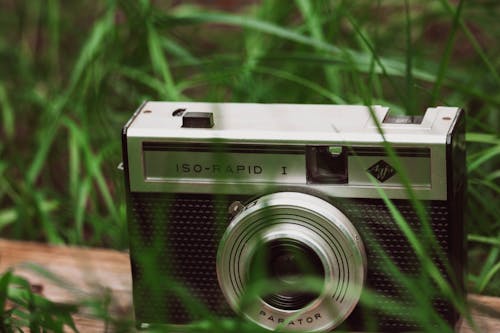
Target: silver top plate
x=289, y=123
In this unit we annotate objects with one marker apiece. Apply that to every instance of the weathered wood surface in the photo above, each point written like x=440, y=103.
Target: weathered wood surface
x=98, y=272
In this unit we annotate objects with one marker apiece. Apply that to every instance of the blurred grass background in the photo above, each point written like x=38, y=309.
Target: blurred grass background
x=72, y=73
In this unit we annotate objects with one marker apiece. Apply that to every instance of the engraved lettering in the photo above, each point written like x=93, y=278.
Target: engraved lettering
x=218, y=169
x=300, y=321
x=291, y=323
x=271, y=318
x=281, y=320
x=283, y=168
x=317, y=316
x=262, y=313
x=309, y=319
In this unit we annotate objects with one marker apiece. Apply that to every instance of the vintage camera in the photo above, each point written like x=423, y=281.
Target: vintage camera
x=226, y=200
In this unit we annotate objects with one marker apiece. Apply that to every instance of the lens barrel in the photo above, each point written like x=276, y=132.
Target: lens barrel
x=290, y=256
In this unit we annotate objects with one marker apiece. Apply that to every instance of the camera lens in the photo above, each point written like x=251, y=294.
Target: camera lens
x=289, y=264
x=290, y=258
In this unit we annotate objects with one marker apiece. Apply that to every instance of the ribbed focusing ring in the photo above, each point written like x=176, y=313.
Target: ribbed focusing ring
x=324, y=234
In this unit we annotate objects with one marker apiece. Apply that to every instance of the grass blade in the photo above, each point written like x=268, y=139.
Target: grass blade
x=192, y=16
x=7, y=216
x=314, y=25
x=94, y=45
x=448, y=7
x=301, y=81
x=483, y=157
x=410, y=96
x=484, y=239
x=7, y=112
x=445, y=59
x=4, y=285
x=489, y=275
x=160, y=64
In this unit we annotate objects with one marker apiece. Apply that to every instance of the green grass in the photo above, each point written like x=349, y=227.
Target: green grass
x=72, y=73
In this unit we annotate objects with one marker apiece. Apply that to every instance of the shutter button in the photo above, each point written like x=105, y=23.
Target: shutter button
x=198, y=120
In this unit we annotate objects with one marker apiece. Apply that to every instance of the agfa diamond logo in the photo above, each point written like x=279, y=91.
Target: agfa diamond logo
x=382, y=171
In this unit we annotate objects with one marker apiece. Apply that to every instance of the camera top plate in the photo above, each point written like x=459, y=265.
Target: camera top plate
x=339, y=150
x=305, y=123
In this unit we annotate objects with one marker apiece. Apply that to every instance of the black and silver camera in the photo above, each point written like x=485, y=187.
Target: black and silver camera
x=227, y=201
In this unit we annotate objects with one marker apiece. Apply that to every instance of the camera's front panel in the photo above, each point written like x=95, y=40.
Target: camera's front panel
x=175, y=239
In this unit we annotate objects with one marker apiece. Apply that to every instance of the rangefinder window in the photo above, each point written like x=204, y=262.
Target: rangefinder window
x=326, y=165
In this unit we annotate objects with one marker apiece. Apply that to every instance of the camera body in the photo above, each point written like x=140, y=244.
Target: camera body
x=210, y=186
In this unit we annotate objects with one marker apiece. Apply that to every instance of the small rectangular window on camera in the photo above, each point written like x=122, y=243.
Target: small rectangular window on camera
x=326, y=165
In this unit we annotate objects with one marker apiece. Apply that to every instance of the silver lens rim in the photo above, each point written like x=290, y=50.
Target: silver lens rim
x=313, y=221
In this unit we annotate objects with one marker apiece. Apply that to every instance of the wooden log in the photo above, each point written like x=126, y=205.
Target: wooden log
x=90, y=273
